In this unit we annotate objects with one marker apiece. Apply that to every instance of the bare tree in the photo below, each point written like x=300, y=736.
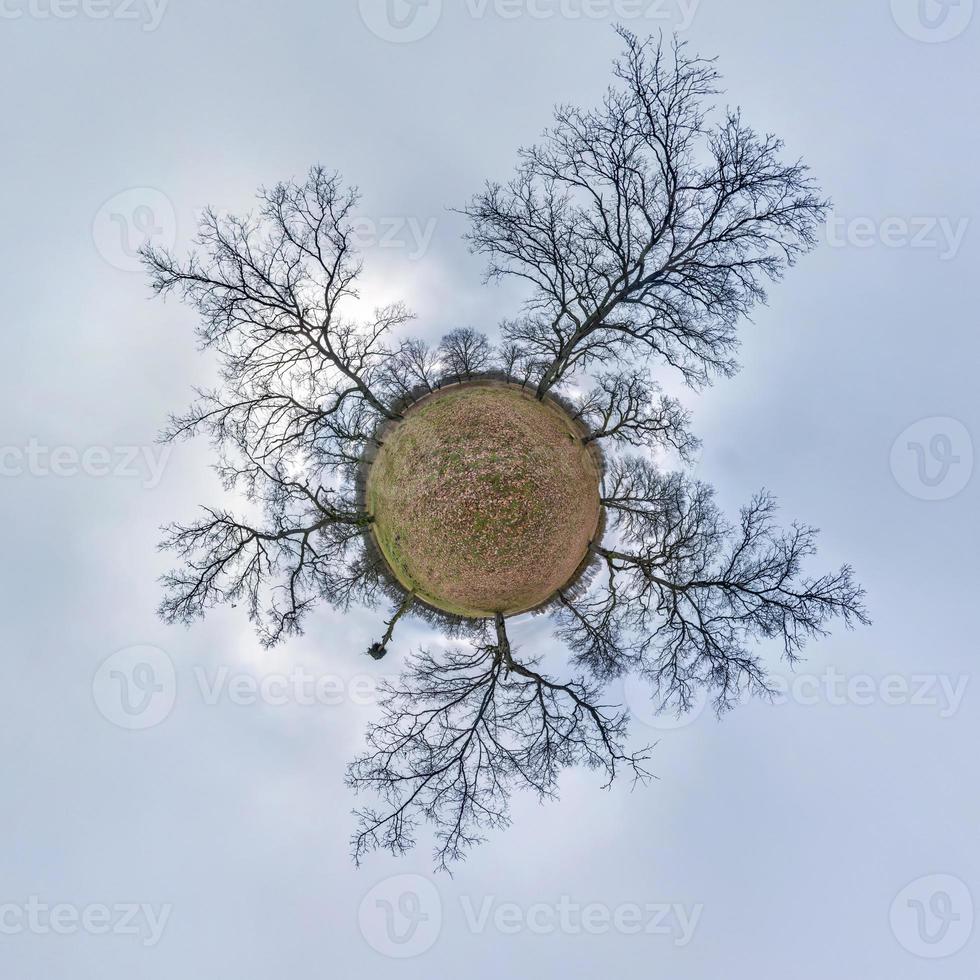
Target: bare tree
x=295, y=410
x=271, y=289
x=279, y=568
x=466, y=354
x=629, y=408
x=645, y=224
x=460, y=731
x=415, y=369
x=517, y=364
x=644, y=229
x=694, y=593
x=410, y=370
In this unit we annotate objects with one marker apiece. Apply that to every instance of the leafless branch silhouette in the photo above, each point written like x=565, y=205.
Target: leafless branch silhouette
x=644, y=231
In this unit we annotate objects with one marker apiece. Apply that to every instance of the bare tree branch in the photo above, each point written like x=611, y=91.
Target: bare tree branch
x=645, y=223
x=461, y=731
x=629, y=409
x=686, y=593
x=280, y=569
x=465, y=354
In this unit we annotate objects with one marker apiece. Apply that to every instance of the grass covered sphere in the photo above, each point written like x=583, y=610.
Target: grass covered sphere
x=484, y=499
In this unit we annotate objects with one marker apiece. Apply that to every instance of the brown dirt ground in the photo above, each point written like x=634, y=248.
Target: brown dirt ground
x=484, y=499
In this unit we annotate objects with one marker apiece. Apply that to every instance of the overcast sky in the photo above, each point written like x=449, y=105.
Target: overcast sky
x=192, y=821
